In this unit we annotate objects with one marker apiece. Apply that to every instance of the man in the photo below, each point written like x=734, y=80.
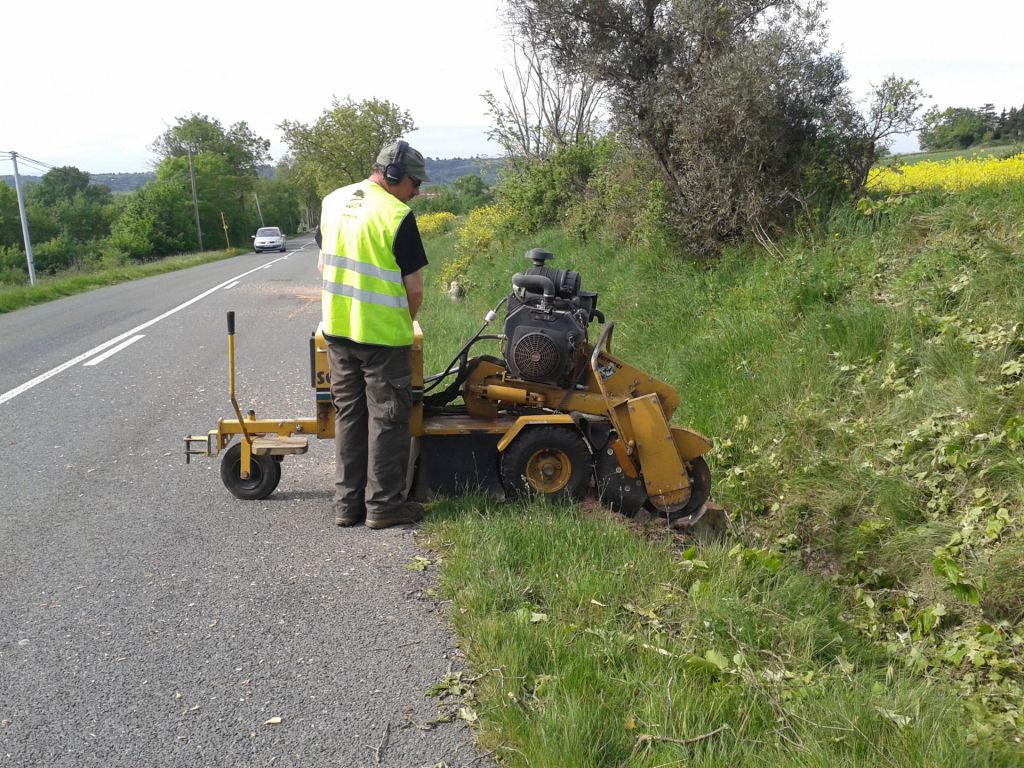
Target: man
x=371, y=259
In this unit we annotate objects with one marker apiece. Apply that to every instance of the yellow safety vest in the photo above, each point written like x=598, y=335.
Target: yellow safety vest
x=363, y=295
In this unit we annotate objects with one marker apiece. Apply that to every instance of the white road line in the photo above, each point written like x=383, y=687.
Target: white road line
x=229, y=287
x=115, y=350
x=13, y=393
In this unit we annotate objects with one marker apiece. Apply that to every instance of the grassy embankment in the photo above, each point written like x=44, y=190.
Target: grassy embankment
x=864, y=389
x=68, y=283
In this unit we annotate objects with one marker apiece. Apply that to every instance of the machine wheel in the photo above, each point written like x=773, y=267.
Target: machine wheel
x=700, y=488
x=553, y=462
x=264, y=475
x=700, y=485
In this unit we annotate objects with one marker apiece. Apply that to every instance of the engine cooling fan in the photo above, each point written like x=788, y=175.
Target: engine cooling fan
x=536, y=357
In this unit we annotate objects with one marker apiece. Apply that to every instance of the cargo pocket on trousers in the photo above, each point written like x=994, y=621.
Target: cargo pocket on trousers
x=400, y=407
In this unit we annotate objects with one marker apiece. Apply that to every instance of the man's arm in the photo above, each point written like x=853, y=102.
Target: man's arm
x=319, y=244
x=414, y=291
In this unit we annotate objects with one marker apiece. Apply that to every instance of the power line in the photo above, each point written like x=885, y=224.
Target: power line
x=33, y=166
x=41, y=166
x=37, y=165
x=37, y=162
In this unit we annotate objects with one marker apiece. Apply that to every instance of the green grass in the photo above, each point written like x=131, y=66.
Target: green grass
x=48, y=288
x=864, y=390
x=597, y=646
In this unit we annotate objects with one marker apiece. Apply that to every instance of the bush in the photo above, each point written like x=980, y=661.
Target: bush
x=58, y=253
x=626, y=200
x=460, y=197
x=435, y=223
x=483, y=227
x=109, y=256
x=13, y=267
x=154, y=221
x=543, y=193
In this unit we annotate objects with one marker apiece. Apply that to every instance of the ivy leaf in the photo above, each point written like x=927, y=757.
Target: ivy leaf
x=418, y=563
x=712, y=663
x=717, y=659
x=966, y=592
x=902, y=721
x=946, y=568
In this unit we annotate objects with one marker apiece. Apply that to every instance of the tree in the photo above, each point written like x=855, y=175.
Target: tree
x=543, y=109
x=243, y=149
x=1011, y=124
x=988, y=115
x=461, y=196
x=10, y=217
x=737, y=100
x=951, y=128
x=892, y=109
x=59, y=184
x=221, y=189
x=341, y=146
x=155, y=220
x=279, y=201
x=66, y=214
x=301, y=178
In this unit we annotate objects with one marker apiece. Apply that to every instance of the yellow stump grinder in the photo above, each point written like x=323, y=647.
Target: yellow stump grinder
x=553, y=416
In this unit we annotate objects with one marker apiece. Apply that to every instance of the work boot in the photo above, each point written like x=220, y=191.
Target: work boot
x=406, y=512
x=349, y=517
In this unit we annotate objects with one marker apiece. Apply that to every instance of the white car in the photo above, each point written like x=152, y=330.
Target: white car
x=268, y=239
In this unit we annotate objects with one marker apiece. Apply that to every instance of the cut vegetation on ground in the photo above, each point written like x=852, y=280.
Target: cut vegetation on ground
x=863, y=384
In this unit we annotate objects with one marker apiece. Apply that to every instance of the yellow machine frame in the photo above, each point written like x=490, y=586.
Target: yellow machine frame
x=638, y=406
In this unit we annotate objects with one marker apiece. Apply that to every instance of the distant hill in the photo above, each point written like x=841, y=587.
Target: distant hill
x=445, y=171
x=26, y=181
x=115, y=182
x=122, y=182
x=442, y=171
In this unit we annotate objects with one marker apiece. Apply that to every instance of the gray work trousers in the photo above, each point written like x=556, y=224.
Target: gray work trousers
x=372, y=392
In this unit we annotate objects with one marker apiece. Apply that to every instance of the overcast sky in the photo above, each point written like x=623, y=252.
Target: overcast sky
x=92, y=84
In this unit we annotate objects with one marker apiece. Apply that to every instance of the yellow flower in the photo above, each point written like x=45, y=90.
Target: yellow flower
x=435, y=223
x=951, y=176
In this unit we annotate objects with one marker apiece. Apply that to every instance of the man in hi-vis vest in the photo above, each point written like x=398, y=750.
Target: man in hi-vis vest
x=371, y=255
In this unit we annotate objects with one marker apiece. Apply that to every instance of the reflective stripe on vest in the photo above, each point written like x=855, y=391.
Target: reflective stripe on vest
x=391, y=275
x=363, y=295
x=370, y=296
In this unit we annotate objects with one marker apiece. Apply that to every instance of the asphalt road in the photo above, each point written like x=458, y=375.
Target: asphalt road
x=148, y=618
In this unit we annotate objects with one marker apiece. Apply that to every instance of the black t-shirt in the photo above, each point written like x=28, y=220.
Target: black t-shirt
x=407, y=248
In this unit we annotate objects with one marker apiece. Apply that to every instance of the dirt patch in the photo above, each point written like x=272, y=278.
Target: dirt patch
x=305, y=297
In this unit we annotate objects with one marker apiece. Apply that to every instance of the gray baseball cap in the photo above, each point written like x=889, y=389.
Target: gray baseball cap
x=413, y=161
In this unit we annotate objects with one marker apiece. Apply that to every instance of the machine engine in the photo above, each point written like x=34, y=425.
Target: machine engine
x=545, y=331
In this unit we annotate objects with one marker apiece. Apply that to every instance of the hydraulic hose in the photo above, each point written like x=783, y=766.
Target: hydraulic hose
x=437, y=378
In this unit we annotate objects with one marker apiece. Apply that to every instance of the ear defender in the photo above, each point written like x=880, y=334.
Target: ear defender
x=395, y=170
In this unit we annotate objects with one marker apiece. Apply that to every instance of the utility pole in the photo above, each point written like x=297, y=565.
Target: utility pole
x=225, y=223
x=258, y=209
x=195, y=202
x=24, y=221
